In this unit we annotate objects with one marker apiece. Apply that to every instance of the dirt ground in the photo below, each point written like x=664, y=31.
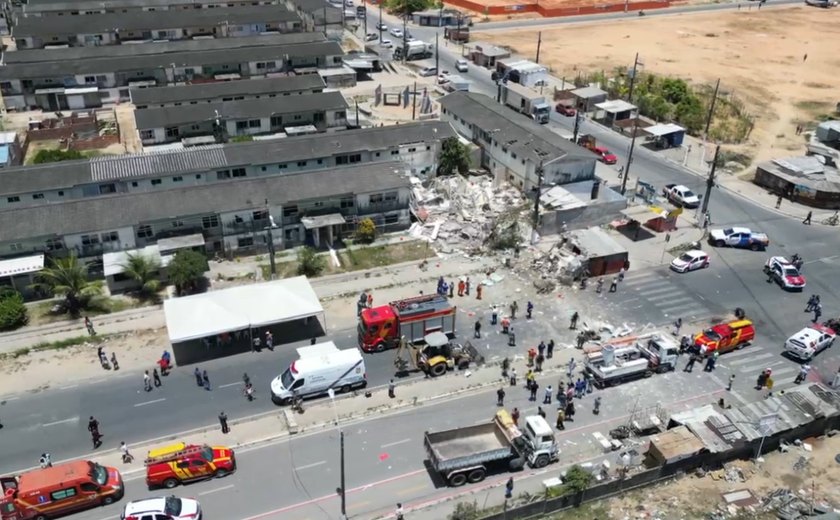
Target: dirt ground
x=778, y=61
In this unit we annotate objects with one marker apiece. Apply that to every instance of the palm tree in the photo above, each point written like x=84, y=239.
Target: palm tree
x=68, y=277
x=145, y=271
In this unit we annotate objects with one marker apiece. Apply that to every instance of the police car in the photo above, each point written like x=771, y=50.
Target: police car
x=784, y=273
x=810, y=341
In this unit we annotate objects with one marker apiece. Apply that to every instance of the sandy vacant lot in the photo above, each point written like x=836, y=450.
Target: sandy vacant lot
x=758, y=55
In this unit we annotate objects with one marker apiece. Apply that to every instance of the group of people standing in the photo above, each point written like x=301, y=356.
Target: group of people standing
x=463, y=287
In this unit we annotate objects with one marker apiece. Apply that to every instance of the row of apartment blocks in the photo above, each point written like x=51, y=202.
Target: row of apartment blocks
x=90, y=77
x=315, y=187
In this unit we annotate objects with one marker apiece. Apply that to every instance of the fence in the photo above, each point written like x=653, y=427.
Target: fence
x=553, y=10
x=661, y=473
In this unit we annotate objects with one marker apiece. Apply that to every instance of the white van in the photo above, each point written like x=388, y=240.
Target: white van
x=319, y=368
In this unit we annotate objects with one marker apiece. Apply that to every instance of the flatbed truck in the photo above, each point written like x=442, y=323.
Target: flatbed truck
x=467, y=454
x=615, y=364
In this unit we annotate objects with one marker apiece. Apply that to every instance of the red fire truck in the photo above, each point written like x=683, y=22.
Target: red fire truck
x=382, y=327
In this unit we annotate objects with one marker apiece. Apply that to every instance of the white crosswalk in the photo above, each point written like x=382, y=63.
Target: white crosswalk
x=651, y=290
x=748, y=363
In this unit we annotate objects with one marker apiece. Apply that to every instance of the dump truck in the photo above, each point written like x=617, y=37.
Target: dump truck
x=614, y=364
x=457, y=34
x=436, y=355
x=526, y=101
x=467, y=454
x=381, y=328
x=415, y=50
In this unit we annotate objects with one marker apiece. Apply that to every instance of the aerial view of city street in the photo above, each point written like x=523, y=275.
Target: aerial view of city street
x=419, y=259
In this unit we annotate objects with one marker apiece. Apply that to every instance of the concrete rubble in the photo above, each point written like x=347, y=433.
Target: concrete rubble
x=469, y=214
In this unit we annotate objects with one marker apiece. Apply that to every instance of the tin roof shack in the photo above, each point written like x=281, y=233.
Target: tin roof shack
x=708, y=423
x=486, y=54
x=441, y=18
x=614, y=111
x=603, y=254
x=587, y=97
x=578, y=205
x=803, y=179
x=672, y=446
x=665, y=135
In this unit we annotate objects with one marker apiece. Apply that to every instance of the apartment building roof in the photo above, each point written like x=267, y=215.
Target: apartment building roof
x=511, y=129
x=60, y=5
x=157, y=48
x=203, y=92
x=61, y=68
x=235, y=110
x=65, y=174
x=123, y=210
x=40, y=26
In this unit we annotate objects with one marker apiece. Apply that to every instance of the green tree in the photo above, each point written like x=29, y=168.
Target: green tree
x=406, y=7
x=366, y=231
x=674, y=90
x=68, y=277
x=454, y=156
x=186, y=270
x=576, y=479
x=144, y=270
x=310, y=263
x=465, y=511
x=12, y=310
x=48, y=156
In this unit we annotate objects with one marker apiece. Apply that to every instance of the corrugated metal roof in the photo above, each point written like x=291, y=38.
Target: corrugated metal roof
x=206, y=157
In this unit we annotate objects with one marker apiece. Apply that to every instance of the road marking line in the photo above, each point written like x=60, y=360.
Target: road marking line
x=667, y=296
x=67, y=387
x=229, y=384
x=209, y=491
x=411, y=490
x=72, y=419
x=150, y=402
x=785, y=370
x=9, y=399
x=741, y=353
x=356, y=505
x=754, y=358
x=395, y=443
x=313, y=465
x=775, y=366
x=654, y=290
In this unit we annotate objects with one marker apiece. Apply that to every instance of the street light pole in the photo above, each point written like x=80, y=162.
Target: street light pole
x=342, y=489
x=534, y=233
x=630, y=154
x=539, y=44
x=633, y=79
x=269, y=238
x=710, y=183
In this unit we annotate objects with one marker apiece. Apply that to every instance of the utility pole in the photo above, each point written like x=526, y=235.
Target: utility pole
x=325, y=21
x=710, y=183
x=437, y=53
x=633, y=79
x=380, y=21
x=539, y=44
x=577, y=125
x=269, y=239
x=405, y=35
x=630, y=155
x=343, y=490
x=537, y=197
x=414, y=102
x=364, y=3
x=711, y=111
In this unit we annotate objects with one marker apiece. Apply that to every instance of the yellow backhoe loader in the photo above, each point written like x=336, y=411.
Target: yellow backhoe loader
x=435, y=356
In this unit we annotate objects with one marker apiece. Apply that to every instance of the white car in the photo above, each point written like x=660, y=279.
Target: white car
x=809, y=341
x=462, y=66
x=691, y=260
x=428, y=71
x=681, y=196
x=396, y=33
x=381, y=26
x=162, y=508
x=385, y=42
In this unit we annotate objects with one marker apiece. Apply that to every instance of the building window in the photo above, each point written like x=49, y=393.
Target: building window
x=172, y=132
x=245, y=242
x=428, y=148
x=13, y=199
x=156, y=182
x=105, y=189
x=242, y=125
x=263, y=168
x=239, y=172
x=145, y=135
x=177, y=223
x=60, y=193
x=276, y=121
x=260, y=214
x=290, y=211
x=392, y=219
x=37, y=196
x=320, y=161
x=254, y=123
x=348, y=159
x=412, y=150
x=376, y=198
x=177, y=178
x=390, y=196
x=210, y=221
x=17, y=246
x=197, y=175
x=111, y=236
x=395, y=152
x=54, y=244
x=144, y=232
x=282, y=166
x=301, y=163
x=90, y=79
x=89, y=240
x=347, y=202
x=134, y=184
x=223, y=174
x=319, y=204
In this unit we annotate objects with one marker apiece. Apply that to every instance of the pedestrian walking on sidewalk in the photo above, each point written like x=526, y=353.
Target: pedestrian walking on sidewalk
x=509, y=489
x=807, y=220
x=515, y=416
x=477, y=329
x=573, y=323
x=89, y=326
x=114, y=362
x=127, y=457
x=147, y=382
x=461, y=287
x=156, y=378
x=561, y=417
x=494, y=315
x=392, y=389
x=548, y=392
x=223, y=422
x=478, y=292
x=817, y=312
x=529, y=309
x=534, y=388
x=529, y=379
x=197, y=374
x=500, y=397
x=269, y=340
x=811, y=302
x=580, y=388
x=399, y=513
x=532, y=357
x=549, y=352
x=513, y=308
x=512, y=375
x=205, y=379
x=93, y=428
x=731, y=381
x=614, y=285
x=621, y=274
x=778, y=202
x=467, y=286
x=540, y=360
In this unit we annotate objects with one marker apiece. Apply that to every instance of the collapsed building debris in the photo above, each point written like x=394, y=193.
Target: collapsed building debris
x=469, y=213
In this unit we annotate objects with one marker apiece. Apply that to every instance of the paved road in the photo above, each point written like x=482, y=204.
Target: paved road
x=295, y=479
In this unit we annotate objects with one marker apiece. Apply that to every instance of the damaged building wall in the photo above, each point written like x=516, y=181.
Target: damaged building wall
x=551, y=221
x=567, y=170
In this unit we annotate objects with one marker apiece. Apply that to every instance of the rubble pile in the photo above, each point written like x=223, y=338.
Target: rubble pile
x=469, y=214
x=559, y=264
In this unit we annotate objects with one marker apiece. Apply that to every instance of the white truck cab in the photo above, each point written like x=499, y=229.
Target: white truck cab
x=542, y=440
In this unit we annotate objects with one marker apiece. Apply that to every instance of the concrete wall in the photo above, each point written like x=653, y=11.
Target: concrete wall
x=551, y=222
